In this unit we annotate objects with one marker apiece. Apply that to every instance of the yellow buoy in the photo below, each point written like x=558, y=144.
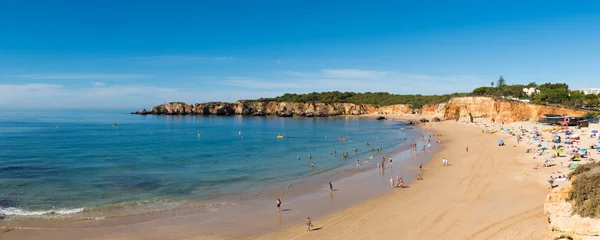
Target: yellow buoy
x=280, y=136
x=198, y=134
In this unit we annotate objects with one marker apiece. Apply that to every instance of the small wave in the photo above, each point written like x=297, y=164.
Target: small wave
x=11, y=211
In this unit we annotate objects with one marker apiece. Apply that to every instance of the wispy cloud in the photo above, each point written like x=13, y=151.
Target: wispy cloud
x=98, y=84
x=131, y=97
x=79, y=76
x=252, y=83
x=353, y=73
x=358, y=80
x=185, y=58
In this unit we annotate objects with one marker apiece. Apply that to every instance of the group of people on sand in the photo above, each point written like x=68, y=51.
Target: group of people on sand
x=398, y=183
x=445, y=162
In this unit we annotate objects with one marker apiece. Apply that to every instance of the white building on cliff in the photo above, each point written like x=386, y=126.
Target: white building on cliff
x=531, y=91
x=595, y=91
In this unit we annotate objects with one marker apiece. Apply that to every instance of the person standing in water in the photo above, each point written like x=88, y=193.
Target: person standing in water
x=312, y=165
x=309, y=156
x=330, y=186
x=278, y=202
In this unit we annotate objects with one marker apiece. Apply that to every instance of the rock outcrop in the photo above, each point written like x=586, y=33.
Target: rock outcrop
x=459, y=109
x=282, y=109
x=565, y=224
x=466, y=108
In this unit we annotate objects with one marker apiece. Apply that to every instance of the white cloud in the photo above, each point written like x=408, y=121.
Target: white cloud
x=78, y=76
x=184, y=58
x=353, y=73
x=251, y=83
x=130, y=97
x=357, y=80
x=98, y=84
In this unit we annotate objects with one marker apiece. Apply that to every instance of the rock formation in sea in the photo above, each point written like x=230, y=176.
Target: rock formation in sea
x=460, y=109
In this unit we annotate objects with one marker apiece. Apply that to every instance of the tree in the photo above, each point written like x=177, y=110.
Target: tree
x=492, y=83
x=532, y=85
x=501, y=82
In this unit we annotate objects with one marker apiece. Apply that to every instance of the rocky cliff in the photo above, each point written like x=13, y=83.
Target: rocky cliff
x=565, y=224
x=465, y=108
x=461, y=109
x=282, y=109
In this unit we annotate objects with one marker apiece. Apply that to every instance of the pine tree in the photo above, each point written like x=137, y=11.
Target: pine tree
x=501, y=82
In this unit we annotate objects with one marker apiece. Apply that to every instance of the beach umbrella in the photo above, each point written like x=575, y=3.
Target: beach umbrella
x=568, y=133
x=559, y=150
x=544, y=148
x=598, y=148
x=594, y=131
x=556, y=136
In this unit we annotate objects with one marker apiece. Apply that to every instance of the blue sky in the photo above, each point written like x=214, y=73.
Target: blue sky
x=134, y=54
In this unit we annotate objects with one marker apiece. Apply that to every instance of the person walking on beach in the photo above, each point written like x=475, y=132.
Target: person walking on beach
x=467, y=148
x=308, y=224
x=392, y=182
x=420, y=167
x=278, y=202
x=330, y=186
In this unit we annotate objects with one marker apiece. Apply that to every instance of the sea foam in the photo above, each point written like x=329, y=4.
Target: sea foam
x=11, y=211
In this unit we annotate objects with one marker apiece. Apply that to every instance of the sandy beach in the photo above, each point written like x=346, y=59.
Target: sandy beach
x=489, y=192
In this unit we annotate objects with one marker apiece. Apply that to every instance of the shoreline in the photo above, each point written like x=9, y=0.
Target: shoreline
x=489, y=192
x=129, y=224
x=482, y=195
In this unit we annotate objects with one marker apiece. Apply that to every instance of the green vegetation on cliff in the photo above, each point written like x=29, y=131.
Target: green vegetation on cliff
x=549, y=93
x=376, y=98
x=585, y=192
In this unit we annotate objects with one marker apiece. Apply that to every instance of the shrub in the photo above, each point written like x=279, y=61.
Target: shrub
x=586, y=191
x=437, y=119
x=423, y=120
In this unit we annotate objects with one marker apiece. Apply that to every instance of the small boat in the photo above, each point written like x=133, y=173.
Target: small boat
x=280, y=136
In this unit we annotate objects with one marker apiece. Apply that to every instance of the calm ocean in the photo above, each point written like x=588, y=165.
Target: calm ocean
x=69, y=162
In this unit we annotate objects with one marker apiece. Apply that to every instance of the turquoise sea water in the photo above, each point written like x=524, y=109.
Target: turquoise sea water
x=64, y=162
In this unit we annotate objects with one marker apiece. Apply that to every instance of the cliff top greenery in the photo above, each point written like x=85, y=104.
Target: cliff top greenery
x=376, y=98
x=549, y=93
x=585, y=192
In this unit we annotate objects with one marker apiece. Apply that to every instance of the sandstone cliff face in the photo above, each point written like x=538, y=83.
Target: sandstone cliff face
x=565, y=224
x=461, y=109
x=282, y=109
x=394, y=109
